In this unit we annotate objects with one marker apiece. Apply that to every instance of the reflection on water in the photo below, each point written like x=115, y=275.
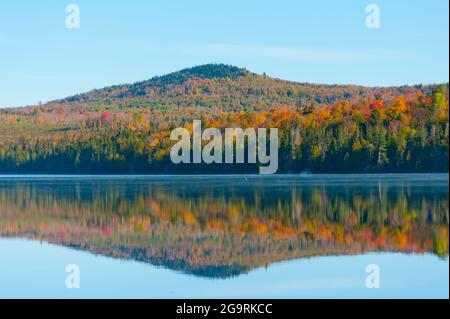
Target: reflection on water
x=223, y=226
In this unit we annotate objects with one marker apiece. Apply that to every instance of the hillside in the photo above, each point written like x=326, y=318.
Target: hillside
x=327, y=128
x=231, y=89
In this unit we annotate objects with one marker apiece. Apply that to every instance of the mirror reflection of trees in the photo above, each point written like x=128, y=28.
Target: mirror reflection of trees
x=220, y=231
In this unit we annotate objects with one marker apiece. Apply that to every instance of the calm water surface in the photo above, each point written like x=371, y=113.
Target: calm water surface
x=224, y=236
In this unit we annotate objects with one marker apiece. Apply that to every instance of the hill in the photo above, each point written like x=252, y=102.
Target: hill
x=231, y=89
x=326, y=128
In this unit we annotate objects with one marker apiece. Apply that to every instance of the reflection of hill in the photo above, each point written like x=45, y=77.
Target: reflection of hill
x=225, y=231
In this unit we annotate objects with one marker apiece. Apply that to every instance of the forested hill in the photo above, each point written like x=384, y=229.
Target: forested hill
x=325, y=128
x=231, y=89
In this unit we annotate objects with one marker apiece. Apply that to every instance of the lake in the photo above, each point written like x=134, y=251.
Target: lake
x=247, y=236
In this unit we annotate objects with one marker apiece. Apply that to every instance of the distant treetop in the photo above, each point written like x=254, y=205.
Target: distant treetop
x=212, y=71
x=207, y=71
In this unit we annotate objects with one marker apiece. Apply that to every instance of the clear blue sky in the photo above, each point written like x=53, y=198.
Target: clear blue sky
x=324, y=41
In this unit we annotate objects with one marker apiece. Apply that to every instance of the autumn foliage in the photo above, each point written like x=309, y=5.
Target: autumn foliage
x=325, y=128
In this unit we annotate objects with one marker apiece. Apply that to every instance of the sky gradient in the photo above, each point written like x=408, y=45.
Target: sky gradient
x=320, y=41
